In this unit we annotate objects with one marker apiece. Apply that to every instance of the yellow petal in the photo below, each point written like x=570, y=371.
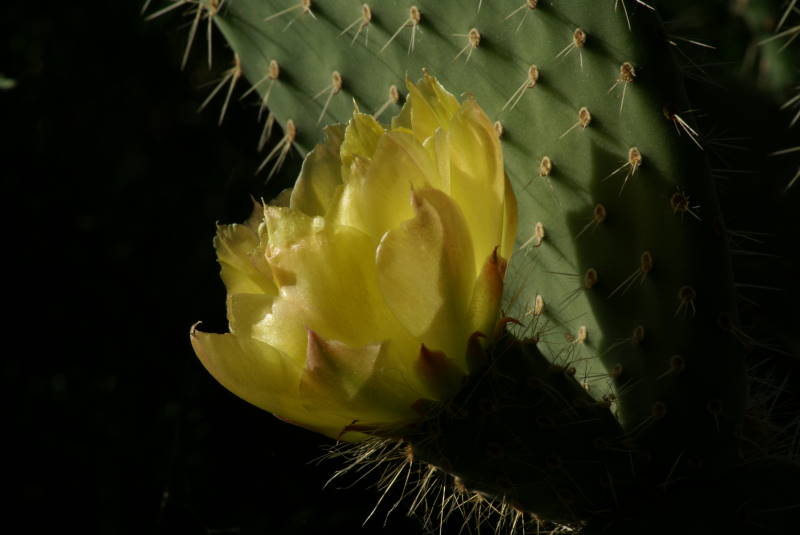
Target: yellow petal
x=426, y=272
x=430, y=105
x=403, y=119
x=510, y=217
x=254, y=371
x=375, y=199
x=487, y=295
x=360, y=139
x=245, y=310
x=477, y=179
x=438, y=147
x=320, y=176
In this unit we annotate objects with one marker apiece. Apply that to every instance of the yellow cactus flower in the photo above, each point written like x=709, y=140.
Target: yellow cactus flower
x=360, y=297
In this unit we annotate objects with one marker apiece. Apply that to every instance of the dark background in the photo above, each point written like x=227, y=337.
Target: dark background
x=112, y=185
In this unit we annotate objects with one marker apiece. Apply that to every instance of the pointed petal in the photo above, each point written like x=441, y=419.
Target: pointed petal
x=403, y=119
x=320, y=176
x=426, y=272
x=510, y=217
x=487, y=294
x=431, y=106
x=439, y=373
x=360, y=139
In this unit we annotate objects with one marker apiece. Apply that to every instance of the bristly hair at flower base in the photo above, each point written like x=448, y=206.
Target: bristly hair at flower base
x=357, y=302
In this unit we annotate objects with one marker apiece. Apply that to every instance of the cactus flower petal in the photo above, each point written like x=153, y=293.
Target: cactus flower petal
x=233, y=361
x=431, y=107
x=375, y=199
x=477, y=177
x=426, y=274
x=243, y=269
x=320, y=177
x=509, y=221
x=487, y=294
x=360, y=139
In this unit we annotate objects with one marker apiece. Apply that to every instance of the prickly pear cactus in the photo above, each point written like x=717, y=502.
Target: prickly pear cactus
x=621, y=281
